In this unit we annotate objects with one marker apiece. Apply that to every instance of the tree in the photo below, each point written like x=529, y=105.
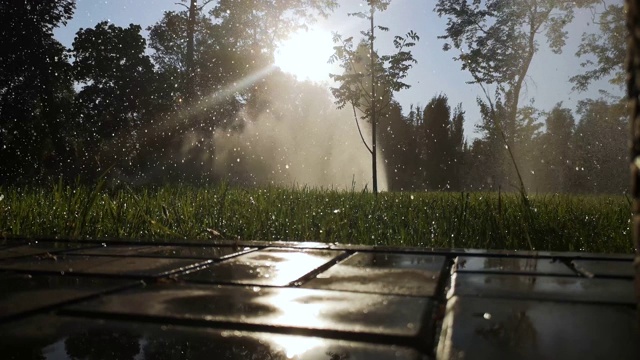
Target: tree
x=556, y=151
x=497, y=40
x=35, y=90
x=398, y=144
x=116, y=77
x=601, y=163
x=608, y=46
x=365, y=82
x=257, y=26
x=441, y=143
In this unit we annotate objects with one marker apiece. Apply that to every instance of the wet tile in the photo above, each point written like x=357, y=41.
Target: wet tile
x=114, y=250
x=560, y=288
x=41, y=248
x=102, y=265
x=76, y=338
x=511, y=265
x=383, y=273
x=191, y=252
x=267, y=307
x=301, y=244
x=275, y=267
x=21, y=292
x=604, y=268
x=198, y=252
x=477, y=328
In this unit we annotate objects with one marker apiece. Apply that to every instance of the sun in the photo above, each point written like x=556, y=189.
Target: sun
x=305, y=55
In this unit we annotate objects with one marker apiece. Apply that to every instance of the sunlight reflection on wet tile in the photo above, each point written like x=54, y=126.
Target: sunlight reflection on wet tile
x=280, y=307
x=564, y=288
x=275, y=267
x=383, y=273
x=60, y=337
x=511, y=265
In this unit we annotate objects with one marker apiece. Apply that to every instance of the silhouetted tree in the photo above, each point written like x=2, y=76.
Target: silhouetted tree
x=601, y=147
x=441, y=143
x=608, y=47
x=556, y=151
x=35, y=91
x=368, y=84
x=497, y=41
x=398, y=144
x=116, y=79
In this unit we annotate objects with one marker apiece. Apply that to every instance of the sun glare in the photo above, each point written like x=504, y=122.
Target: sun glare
x=305, y=55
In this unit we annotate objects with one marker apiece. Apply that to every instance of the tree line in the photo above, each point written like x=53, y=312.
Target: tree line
x=118, y=102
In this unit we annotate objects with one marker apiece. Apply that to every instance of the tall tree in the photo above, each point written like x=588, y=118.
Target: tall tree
x=601, y=164
x=116, y=79
x=608, y=48
x=257, y=26
x=368, y=84
x=556, y=151
x=497, y=41
x=35, y=90
x=441, y=143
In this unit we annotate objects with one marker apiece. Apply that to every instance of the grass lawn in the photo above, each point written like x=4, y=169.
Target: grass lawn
x=471, y=220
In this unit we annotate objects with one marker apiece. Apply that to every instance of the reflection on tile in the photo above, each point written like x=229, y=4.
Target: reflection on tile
x=617, y=291
x=477, y=328
x=22, y=292
x=77, y=338
x=40, y=249
x=275, y=267
x=512, y=265
x=604, y=268
x=114, y=250
x=279, y=307
x=384, y=273
x=103, y=265
x=191, y=252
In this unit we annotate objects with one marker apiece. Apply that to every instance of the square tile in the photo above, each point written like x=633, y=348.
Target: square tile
x=511, y=265
x=478, y=329
x=273, y=267
x=22, y=292
x=383, y=273
x=267, y=307
x=603, y=268
x=560, y=288
x=103, y=265
x=60, y=337
x=41, y=248
x=190, y=252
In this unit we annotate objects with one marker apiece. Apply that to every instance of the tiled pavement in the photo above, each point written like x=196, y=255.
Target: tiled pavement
x=262, y=300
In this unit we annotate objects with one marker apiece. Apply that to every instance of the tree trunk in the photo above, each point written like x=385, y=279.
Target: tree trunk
x=374, y=119
x=189, y=62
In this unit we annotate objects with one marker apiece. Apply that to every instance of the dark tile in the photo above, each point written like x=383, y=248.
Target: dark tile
x=604, y=268
x=275, y=267
x=191, y=252
x=267, y=307
x=76, y=338
x=42, y=248
x=114, y=250
x=477, y=328
x=198, y=252
x=512, y=265
x=102, y=265
x=384, y=273
x=564, y=288
x=22, y=292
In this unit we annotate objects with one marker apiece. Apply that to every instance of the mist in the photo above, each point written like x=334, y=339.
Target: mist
x=293, y=135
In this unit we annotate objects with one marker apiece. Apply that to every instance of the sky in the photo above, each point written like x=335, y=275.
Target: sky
x=436, y=72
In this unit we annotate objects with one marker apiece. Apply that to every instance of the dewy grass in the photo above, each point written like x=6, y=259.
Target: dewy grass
x=463, y=220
